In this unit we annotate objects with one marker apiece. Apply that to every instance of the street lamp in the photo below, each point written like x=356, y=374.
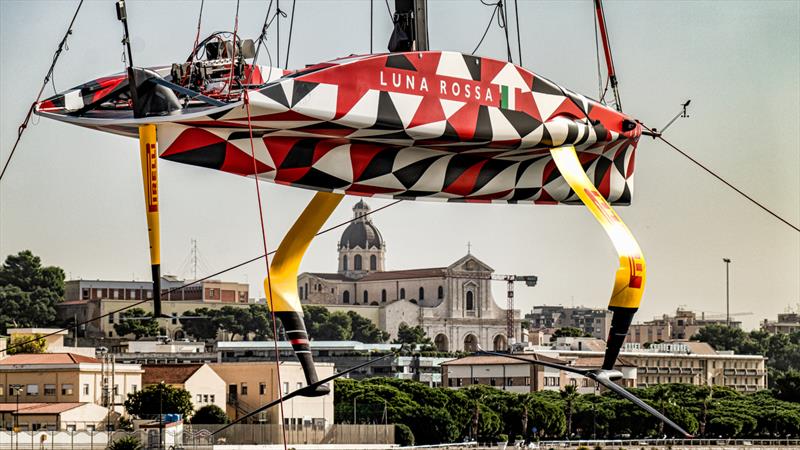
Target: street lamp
x=16, y=388
x=354, y=408
x=727, y=262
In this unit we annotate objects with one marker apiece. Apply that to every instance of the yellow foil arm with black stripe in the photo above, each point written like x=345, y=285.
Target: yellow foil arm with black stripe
x=148, y=149
x=630, y=278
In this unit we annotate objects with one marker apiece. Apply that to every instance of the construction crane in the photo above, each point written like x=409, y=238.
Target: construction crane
x=530, y=281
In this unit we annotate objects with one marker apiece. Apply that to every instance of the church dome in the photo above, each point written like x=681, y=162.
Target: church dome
x=362, y=232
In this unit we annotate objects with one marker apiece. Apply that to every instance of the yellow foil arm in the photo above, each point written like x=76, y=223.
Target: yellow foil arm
x=148, y=148
x=630, y=278
x=286, y=263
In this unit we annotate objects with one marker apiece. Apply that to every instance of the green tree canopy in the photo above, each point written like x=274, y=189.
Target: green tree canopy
x=209, y=415
x=29, y=292
x=412, y=335
x=568, y=332
x=137, y=322
x=27, y=344
x=201, y=323
x=159, y=399
x=364, y=330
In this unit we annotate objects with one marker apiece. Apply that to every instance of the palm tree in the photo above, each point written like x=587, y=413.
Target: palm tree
x=569, y=394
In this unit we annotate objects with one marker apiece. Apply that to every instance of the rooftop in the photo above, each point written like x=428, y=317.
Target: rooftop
x=38, y=408
x=46, y=358
x=501, y=360
x=169, y=373
x=433, y=272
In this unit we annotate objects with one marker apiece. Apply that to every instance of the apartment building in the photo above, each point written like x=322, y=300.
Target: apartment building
x=594, y=322
x=252, y=384
x=786, y=323
x=683, y=325
x=47, y=382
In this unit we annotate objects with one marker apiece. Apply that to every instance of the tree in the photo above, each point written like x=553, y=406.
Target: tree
x=234, y=320
x=27, y=344
x=201, y=329
x=336, y=328
x=721, y=337
x=210, y=415
x=569, y=394
x=137, y=322
x=787, y=386
x=159, y=399
x=29, y=292
x=364, y=330
x=411, y=335
x=568, y=332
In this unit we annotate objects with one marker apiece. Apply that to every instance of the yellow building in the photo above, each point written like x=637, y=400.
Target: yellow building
x=252, y=384
x=67, y=378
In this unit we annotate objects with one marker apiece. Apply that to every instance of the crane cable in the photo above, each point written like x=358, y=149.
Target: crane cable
x=519, y=41
x=191, y=283
x=289, y=44
x=61, y=47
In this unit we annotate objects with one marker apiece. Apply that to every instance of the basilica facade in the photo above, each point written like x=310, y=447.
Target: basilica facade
x=453, y=304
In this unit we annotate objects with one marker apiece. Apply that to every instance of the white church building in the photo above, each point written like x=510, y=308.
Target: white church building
x=453, y=304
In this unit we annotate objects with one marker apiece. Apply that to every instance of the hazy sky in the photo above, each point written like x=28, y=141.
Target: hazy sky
x=74, y=196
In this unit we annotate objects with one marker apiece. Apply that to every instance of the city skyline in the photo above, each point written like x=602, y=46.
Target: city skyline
x=74, y=197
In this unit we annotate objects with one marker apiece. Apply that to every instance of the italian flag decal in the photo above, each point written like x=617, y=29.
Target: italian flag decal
x=508, y=97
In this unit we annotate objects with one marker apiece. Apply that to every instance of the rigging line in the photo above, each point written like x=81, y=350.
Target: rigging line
x=600, y=91
x=491, y=19
x=391, y=16
x=370, y=25
x=61, y=46
x=289, y=44
x=718, y=177
x=278, y=32
x=503, y=23
x=233, y=54
x=266, y=260
x=191, y=283
x=263, y=35
x=519, y=42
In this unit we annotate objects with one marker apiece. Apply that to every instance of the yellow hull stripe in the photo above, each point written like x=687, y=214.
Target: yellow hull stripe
x=286, y=262
x=630, y=277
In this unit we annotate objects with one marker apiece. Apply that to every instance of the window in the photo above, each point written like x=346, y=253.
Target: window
x=244, y=388
x=421, y=293
x=344, y=262
x=305, y=291
x=285, y=387
x=262, y=388
x=134, y=388
x=66, y=389
x=346, y=297
x=174, y=318
x=49, y=389
x=71, y=427
x=199, y=398
x=2, y=391
x=383, y=295
x=86, y=389
x=84, y=294
x=299, y=385
x=402, y=293
x=470, y=301
x=32, y=389
x=373, y=262
x=357, y=262
x=116, y=389
x=493, y=381
x=440, y=292
x=111, y=318
x=509, y=381
x=212, y=398
x=205, y=398
x=366, y=296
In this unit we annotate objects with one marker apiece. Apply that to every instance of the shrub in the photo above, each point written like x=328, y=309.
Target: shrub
x=126, y=443
x=502, y=438
x=403, y=435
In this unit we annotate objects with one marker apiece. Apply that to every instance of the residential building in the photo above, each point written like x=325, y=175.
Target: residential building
x=202, y=382
x=86, y=299
x=594, y=322
x=521, y=377
x=453, y=304
x=683, y=325
x=787, y=323
x=687, y=362
x=53, y=338
x=252, y=384
x=343, y=354
x=66, y=416
x=68, y=378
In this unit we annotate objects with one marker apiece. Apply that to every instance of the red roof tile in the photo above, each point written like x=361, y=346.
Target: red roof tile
x=47, y=358
x=168, y=373
x=38, y=408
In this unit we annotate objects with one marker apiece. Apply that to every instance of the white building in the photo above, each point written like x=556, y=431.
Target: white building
x=206, y=387
x=453, y=304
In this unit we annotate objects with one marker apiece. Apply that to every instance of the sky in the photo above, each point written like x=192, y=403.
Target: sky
x=73, y=196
